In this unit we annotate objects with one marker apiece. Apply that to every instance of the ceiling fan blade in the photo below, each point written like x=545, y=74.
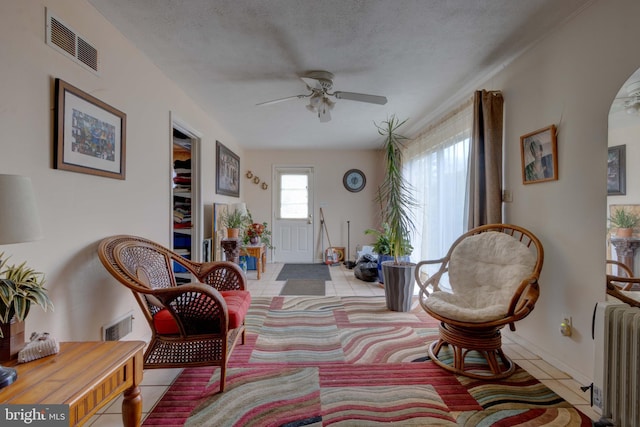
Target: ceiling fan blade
x=275, y=101
x=311, y=83
x=361, y=97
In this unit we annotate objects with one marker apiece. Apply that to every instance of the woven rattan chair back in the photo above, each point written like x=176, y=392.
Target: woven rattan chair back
x=199, y=310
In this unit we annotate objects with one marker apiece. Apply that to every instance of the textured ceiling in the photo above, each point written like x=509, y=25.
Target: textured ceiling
x=423, y=55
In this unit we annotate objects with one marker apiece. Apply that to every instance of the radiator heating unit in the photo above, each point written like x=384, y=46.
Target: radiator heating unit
x=616, y=388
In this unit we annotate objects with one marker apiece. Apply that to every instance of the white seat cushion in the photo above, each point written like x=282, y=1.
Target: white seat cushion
x=484, y=271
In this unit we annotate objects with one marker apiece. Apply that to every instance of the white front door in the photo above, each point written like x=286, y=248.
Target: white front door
x=293, y=219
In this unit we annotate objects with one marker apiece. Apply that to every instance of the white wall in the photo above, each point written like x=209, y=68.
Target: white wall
x=338, y=204
x=569, y=79
x=77, y=210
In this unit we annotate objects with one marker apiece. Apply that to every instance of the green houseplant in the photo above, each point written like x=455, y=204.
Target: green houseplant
x=624, y=221
x=20, y=287
x=382, y=246
x=257, y=232
x=233, y=221
x=397, y=204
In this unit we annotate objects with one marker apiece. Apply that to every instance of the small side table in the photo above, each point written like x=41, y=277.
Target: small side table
x=258, y=251
x=626, y=249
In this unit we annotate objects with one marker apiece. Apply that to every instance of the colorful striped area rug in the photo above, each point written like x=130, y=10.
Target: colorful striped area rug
x=348, y=361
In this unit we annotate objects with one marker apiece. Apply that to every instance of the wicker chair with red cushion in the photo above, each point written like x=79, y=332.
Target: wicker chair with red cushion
x=192, y=324
x=487, y=280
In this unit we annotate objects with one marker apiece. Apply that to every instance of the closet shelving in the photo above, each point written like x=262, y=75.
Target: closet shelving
x=182, y=201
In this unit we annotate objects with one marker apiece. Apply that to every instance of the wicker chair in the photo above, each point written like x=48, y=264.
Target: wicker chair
x=488, y=279
x=623, y=286
x=193, y=324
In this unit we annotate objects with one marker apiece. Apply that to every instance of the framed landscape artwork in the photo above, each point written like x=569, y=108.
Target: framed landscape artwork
x=227, y=171
x=616, y=171
x=89, y=135
x=539, y=153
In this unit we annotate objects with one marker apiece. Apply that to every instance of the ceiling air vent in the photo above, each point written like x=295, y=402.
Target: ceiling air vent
x=65, y=40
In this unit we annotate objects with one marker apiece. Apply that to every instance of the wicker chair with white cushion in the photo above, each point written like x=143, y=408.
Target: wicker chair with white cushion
x=488, y=279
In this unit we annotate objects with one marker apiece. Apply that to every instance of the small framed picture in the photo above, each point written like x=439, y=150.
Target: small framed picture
x=539, y=154
x=227, y=171
x=616, y=171
x=89, y=135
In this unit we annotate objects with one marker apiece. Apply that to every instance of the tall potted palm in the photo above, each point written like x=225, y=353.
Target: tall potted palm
x=397, y=204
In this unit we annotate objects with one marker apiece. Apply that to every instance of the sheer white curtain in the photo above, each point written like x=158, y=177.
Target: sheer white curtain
x=437, y=163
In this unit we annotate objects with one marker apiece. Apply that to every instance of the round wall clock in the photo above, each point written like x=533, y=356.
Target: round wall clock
x=354, y=180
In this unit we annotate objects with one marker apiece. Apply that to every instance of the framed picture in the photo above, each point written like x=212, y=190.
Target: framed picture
x=219, y=209
x=616, y=171
x=227, y=171
x=89, y=135
x=539, y=152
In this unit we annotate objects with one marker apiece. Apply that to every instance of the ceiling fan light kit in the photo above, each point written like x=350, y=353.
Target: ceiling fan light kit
x=320, y=84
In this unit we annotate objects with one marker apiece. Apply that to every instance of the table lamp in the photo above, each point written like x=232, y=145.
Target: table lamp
x=19, y=222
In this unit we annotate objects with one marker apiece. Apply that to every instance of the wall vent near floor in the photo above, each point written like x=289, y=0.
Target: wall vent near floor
x=65, y=40
x=118, y=329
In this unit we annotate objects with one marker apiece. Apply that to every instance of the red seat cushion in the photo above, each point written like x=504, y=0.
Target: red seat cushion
x=238, y=303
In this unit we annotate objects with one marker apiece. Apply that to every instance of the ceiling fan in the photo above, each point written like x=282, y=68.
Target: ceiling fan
x=320, y=86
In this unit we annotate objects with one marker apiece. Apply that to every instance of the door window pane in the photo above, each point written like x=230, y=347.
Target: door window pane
x=294, y=196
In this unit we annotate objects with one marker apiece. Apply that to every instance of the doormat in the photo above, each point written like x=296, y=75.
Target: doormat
x=303, y=287
x=305, y=271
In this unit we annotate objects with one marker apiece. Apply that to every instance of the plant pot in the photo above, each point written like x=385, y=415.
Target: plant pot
x=383, y=258
x=12, y=340
x=399, y=282
x=233, y=233
x=624, y=232
x=254, y=240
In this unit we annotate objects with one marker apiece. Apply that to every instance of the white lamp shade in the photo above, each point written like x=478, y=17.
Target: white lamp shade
x=19, y=220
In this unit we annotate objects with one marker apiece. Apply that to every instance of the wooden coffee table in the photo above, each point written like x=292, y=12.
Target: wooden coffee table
x=84, y=375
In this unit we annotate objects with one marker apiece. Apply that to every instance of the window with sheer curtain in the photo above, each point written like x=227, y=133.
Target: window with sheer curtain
x=436, y=163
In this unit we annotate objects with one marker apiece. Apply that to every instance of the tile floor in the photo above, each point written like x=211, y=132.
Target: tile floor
x=343, y=282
